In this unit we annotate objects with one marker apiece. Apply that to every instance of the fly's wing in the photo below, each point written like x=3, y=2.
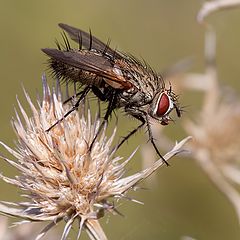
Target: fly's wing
x=92, y=63
x=88, y=41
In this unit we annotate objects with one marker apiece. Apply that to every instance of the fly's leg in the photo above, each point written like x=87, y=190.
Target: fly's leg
x=129, y=135
x=110, y=108
x=73, y=97
x=141, y=116
x=151, y=139
x=75, y=106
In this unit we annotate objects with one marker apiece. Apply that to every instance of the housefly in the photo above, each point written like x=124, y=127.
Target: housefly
x=120, y=79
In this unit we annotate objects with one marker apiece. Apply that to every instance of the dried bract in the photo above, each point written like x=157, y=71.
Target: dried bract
x=61, y=178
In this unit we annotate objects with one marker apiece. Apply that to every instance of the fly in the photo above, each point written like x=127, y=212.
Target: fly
x=117, y=78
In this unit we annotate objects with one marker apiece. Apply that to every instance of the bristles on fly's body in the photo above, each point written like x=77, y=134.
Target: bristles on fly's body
x=62, y=69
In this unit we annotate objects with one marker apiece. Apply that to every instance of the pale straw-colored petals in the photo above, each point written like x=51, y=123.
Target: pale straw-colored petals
x=125, y=184
x=60, y=177
x=94, y=229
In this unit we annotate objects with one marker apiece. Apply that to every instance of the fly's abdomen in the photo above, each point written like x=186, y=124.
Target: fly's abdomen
x=65, y=72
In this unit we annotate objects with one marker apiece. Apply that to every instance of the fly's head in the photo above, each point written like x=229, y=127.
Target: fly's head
x=163, y=104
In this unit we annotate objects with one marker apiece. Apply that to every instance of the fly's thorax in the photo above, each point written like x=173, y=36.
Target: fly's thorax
x=133, y=97
x=144, y=82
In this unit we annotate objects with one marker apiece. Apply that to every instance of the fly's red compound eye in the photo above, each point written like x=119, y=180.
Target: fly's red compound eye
x=164, y=105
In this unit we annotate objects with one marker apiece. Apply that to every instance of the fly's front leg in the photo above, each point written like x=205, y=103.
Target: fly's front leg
x=130, y=134
x=143, y=117
x=151, y=139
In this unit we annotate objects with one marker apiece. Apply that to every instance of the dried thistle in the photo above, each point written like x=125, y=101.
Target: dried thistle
x=59, y=176
x=216, y=129
x=215, y=5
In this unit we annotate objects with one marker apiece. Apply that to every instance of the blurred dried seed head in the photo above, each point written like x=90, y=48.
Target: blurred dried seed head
x=218, y=131
x=210, y=7
x=216, y=128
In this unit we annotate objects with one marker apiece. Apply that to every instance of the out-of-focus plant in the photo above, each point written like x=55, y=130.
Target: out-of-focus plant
x=210, y=7
x=216, y=126
x=22, y=232
x=216, y=129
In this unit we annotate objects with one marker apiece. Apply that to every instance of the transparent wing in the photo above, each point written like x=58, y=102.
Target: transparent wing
x=88, y=41
x=99, y=65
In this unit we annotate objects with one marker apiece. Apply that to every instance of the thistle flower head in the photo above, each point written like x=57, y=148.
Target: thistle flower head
x=62, y=178
x=218, y=131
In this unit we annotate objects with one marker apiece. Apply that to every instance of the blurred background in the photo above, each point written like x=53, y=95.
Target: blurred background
x=180, y=202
